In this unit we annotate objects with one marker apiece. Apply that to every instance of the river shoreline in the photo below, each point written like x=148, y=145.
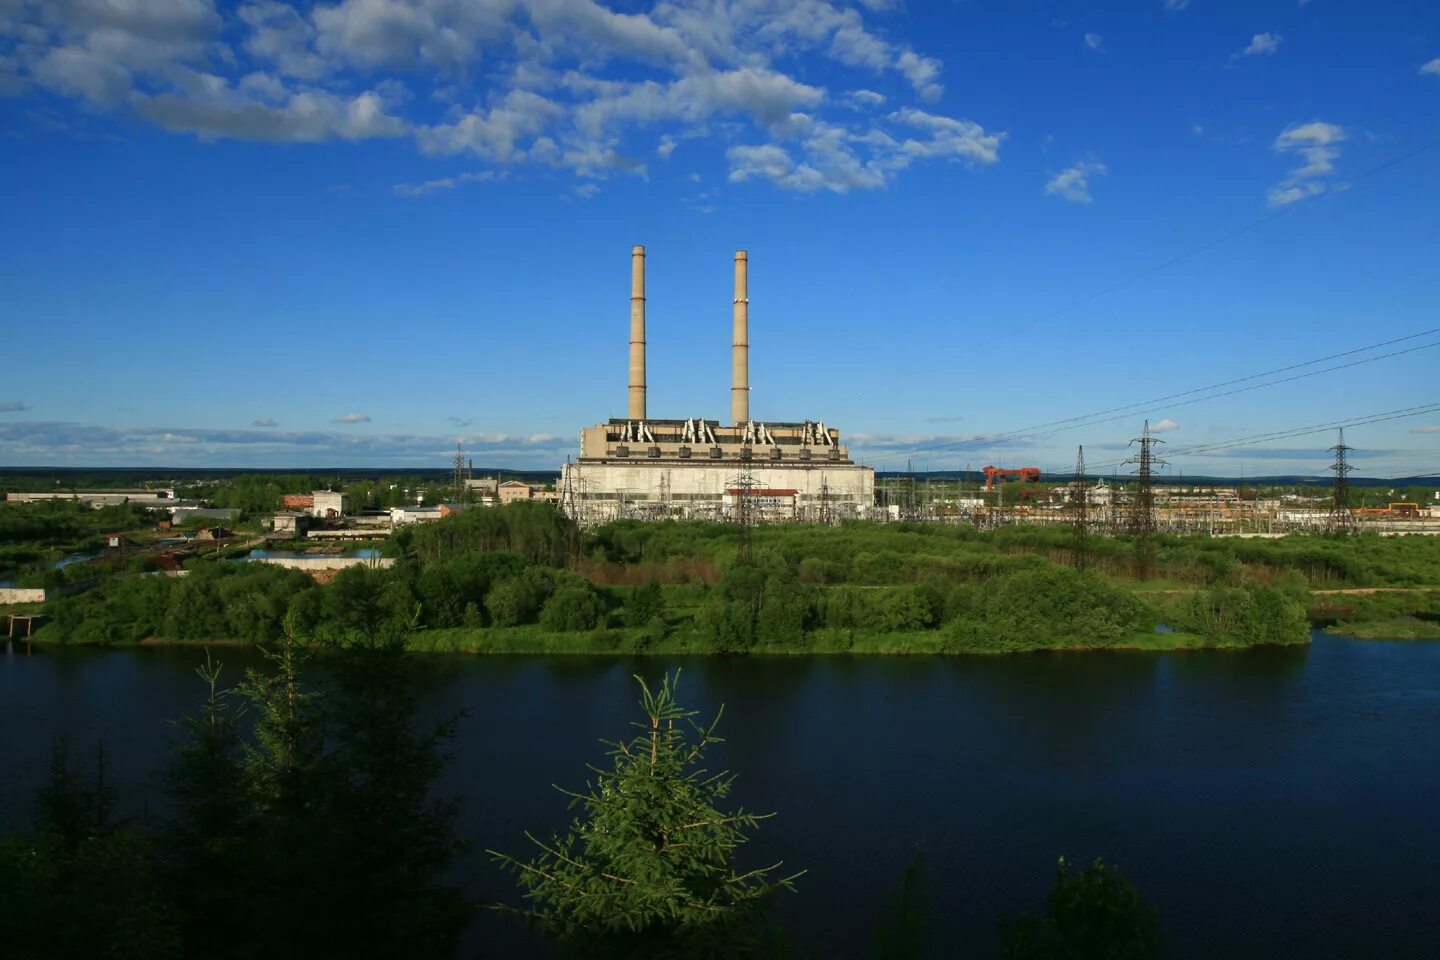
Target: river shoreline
x=485, y=642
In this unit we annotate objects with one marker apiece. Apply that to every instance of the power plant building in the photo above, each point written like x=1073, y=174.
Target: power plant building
x=701, y=468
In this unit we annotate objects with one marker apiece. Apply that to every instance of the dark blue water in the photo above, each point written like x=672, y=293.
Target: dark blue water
x=1268, y=803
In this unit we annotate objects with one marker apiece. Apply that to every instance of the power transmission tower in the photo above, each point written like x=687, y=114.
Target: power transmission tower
x=1080, y=510
x=744, y=514
x=907, y=507
x=1142, y=514
x=1340, y=516
x=460, y=489
x=826, y=515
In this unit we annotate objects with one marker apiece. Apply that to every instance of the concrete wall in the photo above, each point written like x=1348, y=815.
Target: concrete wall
x=601, y=491
x=22, y=595
x=325, y=563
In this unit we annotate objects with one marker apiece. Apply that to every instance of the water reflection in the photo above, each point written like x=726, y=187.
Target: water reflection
x=1298, y=780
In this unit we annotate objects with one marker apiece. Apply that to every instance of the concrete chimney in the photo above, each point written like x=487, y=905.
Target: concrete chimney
x=740, y=346
x=636, y=409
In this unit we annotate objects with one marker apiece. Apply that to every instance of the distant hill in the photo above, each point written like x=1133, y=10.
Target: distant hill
x=121, y=476
x=975, y=476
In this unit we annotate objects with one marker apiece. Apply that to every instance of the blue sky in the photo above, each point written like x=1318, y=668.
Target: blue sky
x=352, y=233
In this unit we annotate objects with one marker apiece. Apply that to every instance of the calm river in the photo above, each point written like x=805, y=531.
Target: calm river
x=1270, y=803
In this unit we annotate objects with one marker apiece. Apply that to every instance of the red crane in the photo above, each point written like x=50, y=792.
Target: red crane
x=1023, y=474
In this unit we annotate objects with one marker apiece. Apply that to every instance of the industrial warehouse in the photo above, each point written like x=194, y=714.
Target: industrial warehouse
x=700, y=468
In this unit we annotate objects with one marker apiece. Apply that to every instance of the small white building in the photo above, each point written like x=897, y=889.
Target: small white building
x=420, y=513
x=290, y=521
x=329, y=505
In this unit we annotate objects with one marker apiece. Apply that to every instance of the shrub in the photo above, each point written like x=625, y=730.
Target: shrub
x=573, y=607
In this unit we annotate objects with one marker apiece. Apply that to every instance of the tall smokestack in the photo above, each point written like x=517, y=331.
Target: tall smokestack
x=637, y=333
x=740, y=347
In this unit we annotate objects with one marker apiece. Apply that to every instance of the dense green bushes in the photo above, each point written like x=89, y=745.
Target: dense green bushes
x=1056, y=607
x=857, y=587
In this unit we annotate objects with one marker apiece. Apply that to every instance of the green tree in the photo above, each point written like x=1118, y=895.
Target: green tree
x=317, y=834
x=572, y=607
x=646, y=602
x=1094, y=915
x=84, y=885
x=648, y=870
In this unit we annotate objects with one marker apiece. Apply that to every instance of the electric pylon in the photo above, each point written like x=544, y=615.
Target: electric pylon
x=1080, y=510
x=1142, y=514
x=744, y=514
x=1340, y=516
x=460, y=488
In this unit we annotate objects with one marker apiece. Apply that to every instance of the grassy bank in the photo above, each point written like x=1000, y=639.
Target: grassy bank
x=633, y=642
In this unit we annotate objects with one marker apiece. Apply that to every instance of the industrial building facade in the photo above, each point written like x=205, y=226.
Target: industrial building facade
x=700, y=468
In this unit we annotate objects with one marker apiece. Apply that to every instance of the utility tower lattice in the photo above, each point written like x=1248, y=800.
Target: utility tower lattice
x=1080, y=507
x=1340, y=517
x=460, y=488
x=1142, y=514
x=744, y=514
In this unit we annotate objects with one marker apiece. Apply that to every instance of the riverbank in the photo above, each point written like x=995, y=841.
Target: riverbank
x=630, y=642
x=532, y=641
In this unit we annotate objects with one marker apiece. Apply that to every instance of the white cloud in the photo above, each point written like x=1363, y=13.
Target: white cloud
x=280, y=35
x=864, y=99
x=497, y=133
x=921, y=72
x=1073, y=183
x=13, y=406
x=573, y=84
x=1433, y=67
x=1094, y=41
x=1197, y=130
x=1426, y=428
x=950, y=138
x=404, y=34
x=1176, y=4
x=833, y=157
x=308, y=117
x=587, y=190
x=352, y=418
x=1316, y=143
x=1262, y=43
x=264, y=422
x=1164, y=426
x=409, y=190
x=91, y=445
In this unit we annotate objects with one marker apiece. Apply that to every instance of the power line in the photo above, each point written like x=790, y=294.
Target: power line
x=1123, y=412
x=1204, y=247
x=1383, y=417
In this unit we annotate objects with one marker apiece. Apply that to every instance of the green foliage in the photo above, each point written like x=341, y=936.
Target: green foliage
x=1252, y=614
x=83, y=886
x=647, y=870
x=645, y=604
x=536, y=531
x=1051, y=607
x=1095, y=915
x=323, y=807
x=573, y=606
